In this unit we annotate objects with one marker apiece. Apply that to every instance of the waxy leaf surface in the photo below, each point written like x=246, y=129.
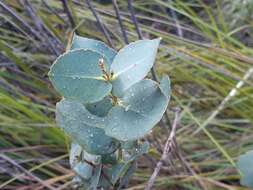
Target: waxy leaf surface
x=132, y=64
x=100, y=108
x=141, y=107
x=77, y=75
x=84, y=170
x=80, y=125
x=132, y=154
x=98, y=46
x=165, y=86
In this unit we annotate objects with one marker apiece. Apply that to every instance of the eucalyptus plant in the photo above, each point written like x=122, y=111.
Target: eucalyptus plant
x=245, y=164
x=108, y=106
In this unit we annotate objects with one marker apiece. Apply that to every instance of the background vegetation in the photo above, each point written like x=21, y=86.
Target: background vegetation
x=206, y=50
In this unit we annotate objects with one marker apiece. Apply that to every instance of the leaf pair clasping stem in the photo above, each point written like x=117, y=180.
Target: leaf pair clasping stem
x=107, y=76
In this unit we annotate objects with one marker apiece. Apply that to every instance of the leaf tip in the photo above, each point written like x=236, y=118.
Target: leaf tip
x=165, y=85
x=157, y=40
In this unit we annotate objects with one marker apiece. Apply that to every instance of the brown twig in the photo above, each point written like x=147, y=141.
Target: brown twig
x=133, y=17
x=26, y=172
x=19, y=19
x=101, y=26
x=116, y=8
x=174, y=17
x=45, y=33
x=50, y=9
x=168, y=149
x=68, y=12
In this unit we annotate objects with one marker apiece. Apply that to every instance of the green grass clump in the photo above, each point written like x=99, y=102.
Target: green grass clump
x=205, y=64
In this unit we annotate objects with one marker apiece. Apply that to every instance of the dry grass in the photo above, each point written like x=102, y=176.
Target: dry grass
x=205, y=64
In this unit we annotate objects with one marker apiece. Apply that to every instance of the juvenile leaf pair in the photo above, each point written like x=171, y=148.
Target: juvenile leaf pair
x=107, y=106
x=91, y=71
x=105, y=94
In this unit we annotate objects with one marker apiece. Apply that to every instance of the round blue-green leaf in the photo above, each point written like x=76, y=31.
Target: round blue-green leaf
x=141, y=107
x=77, y=75
x=100, y=108
x=84, y=170
x=98, y=46
x=82, y=127
x=245, y=164
x=132, y=64
x=137, y=150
